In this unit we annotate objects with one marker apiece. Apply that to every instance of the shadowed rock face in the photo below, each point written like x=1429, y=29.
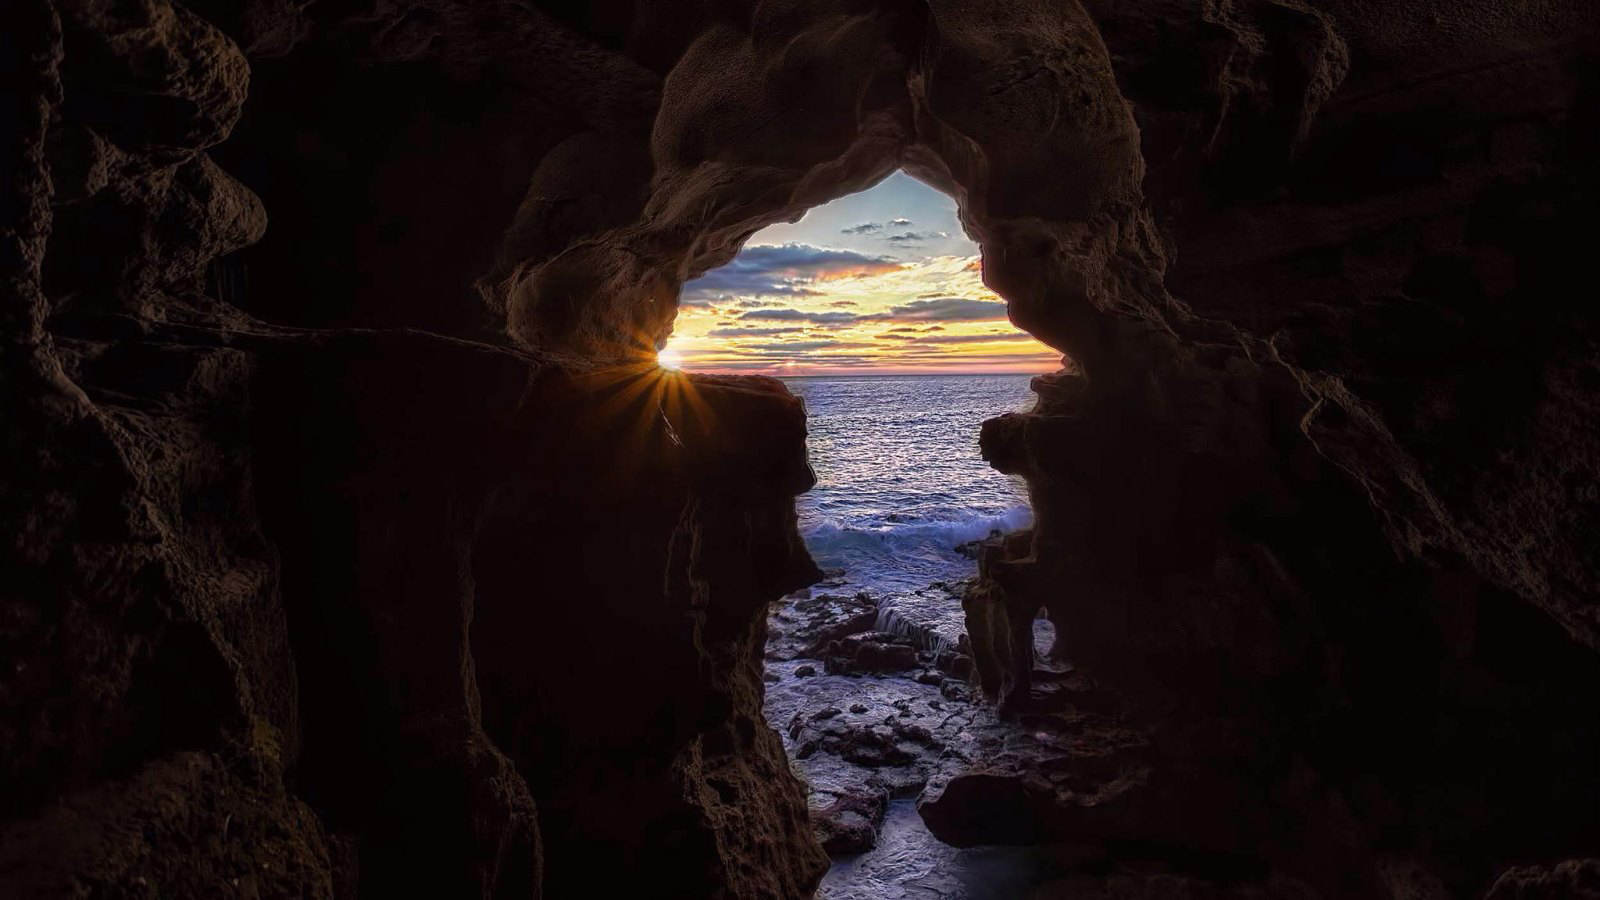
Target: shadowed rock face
x=361, y=554
x=1302, y=536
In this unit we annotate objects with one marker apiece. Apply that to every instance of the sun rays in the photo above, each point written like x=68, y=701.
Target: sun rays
x=644, y=401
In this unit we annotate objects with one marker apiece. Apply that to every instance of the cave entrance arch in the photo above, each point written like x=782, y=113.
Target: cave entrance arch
x=590, y=276
x=872, y=310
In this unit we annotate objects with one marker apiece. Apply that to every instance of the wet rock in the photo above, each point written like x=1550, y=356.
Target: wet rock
x=844, y=832
x=933, y=678
x=887, y=732
x=1573, y=879
x=803, y=626
x=805, y=671
x=927, y=616
x=849, y=624
x=848, y=823
x=954, y=690
x=1063, y=773
x=953, y=663
x=1000, y=612
x=892, y=741
x=874, y=652
x=970, y=549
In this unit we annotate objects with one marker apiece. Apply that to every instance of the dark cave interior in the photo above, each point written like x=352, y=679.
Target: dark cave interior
x=347, y=553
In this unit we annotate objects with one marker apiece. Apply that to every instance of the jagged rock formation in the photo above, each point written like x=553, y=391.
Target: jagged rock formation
x=348, y=550
x=1327, y=521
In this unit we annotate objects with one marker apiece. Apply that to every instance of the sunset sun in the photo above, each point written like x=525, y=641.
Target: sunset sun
x=800, y=449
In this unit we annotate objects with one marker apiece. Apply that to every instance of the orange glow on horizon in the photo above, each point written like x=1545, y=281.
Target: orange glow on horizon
x=932, y=316
x=880, y=282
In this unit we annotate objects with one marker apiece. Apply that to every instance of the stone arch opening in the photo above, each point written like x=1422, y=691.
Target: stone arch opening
x=663, y=177
x=617, y=365
x=590, y=274
x=380, y=520
x=884, y=280
x=871, y=310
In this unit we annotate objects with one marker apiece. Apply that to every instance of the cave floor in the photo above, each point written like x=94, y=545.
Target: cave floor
x=909, y=863
x=868, y=718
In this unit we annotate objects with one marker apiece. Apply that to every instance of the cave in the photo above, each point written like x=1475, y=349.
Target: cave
x=357, y=546
x=871, y=311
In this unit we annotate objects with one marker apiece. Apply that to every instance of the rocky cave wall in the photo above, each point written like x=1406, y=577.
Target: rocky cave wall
x=1330, y=519
x=354, y=546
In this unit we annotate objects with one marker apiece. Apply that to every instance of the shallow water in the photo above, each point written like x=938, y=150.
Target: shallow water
x=909, y=863
x=900, y=485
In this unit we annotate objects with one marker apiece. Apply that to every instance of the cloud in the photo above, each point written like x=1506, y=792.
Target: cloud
x=971, y=338
x=794, y=347
x=918, y=339
x=798, y=315
x=863, y=228
x=899, y=223
x=941, y=309
x=781, y=270
x=915, y=238
x=753, y=332
x=768, y=363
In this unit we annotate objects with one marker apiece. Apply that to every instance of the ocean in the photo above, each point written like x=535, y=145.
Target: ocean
x=901, y=485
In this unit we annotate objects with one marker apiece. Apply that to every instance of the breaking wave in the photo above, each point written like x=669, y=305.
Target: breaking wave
x=826, y=536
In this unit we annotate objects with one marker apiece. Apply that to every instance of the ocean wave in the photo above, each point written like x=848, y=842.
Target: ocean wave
x=945, y=535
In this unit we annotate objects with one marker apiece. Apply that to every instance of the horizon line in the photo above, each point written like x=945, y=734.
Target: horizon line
x=857, y=373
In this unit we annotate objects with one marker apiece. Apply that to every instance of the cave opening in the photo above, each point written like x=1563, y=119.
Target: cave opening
x=399, y=569
x=872, y=309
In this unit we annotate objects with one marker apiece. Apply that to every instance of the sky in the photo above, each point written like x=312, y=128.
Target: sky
x=880, y=282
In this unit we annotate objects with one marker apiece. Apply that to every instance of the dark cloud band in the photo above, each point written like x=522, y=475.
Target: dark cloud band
x=781, y=270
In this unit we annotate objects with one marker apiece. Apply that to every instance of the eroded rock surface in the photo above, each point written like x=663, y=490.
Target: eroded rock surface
x=312, y=502
x=1573, y=878
x=862, y=728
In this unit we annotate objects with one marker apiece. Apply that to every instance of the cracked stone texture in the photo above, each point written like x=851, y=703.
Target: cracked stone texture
x=1315, y=498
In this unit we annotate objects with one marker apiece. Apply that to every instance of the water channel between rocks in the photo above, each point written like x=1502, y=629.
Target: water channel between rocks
x=866, y=678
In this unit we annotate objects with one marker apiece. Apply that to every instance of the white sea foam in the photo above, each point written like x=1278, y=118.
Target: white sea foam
x=939, y=632
x=900, y=480
x=900, y=485
x=824, y=536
